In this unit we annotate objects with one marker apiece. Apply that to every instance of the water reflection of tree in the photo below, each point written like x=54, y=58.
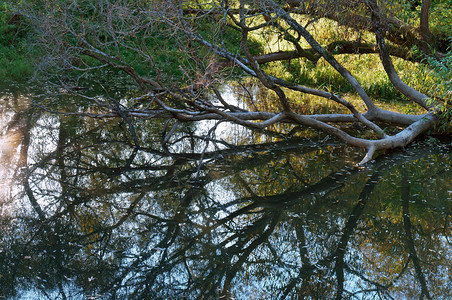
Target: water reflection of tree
x=109, y=218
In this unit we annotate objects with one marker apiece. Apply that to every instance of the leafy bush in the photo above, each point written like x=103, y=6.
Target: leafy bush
x=14, y=62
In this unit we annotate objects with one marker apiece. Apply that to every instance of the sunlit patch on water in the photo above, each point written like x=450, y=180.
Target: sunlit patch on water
x=225, y=131
x=9, y=145
x=9, y=152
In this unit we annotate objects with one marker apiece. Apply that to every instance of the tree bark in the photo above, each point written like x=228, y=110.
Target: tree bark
x=424, y=25
x=379, y=29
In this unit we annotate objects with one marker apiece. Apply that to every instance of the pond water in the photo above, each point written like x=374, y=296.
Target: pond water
x=86, y=213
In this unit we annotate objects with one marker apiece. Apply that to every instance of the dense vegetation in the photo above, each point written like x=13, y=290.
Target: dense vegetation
x=186, y=49
x=15, y=63
x=17, y=39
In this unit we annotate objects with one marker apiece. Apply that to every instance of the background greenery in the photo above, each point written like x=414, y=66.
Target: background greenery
x=15, y=59
x=18, y=56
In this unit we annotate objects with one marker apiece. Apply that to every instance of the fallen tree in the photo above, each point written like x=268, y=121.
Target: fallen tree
x=82, y=37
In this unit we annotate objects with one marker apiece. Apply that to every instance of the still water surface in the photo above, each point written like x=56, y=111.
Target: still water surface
x=86, y=213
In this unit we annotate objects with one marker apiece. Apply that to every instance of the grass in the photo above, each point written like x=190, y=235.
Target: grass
x=366, y=68
x=14, y=61
x=430, y=79
x=368, y=71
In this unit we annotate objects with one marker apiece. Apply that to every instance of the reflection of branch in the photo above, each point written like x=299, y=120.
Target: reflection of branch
x=307, y=268
x=23, y=163
x=409, y=237
x=125, y=116
x=129, y=212
x=354, y=295
x=445, y=231
x=350, y=227
x=401, y=273
x=379, y=286
x=247, y=251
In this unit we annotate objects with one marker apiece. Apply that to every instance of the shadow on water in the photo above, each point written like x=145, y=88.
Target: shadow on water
x=86, y=213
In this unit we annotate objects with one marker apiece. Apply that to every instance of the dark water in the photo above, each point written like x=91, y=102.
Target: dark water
x=87, y=213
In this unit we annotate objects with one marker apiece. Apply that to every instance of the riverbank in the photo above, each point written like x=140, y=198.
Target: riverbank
x=171, y=64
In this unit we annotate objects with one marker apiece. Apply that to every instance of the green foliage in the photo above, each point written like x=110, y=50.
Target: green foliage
x=166, y=54
x=367, y=69
x=440, y=17
x=441, y=72
x=14, y=62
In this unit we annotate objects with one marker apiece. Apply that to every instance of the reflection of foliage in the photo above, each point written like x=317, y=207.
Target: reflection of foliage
x=276, y=220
